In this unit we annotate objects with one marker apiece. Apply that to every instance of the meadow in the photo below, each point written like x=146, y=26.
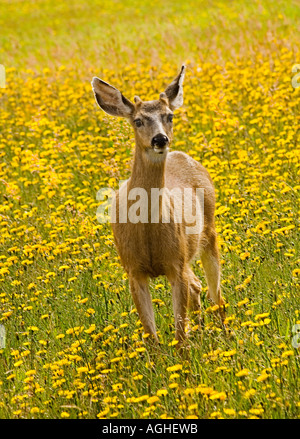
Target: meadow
x=74, y=346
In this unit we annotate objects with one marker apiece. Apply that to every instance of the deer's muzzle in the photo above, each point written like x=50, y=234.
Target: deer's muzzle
x=159, y=142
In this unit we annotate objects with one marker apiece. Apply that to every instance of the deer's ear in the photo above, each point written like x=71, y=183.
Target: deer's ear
x=111, y=100
x=174, y=91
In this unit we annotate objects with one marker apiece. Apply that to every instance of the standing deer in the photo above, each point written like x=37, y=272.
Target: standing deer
x=154, y=248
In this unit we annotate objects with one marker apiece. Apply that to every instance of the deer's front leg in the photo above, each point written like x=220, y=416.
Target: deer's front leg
x=142, y=300
x=180, y=294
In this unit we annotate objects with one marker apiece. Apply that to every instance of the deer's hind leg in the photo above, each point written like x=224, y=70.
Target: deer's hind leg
x=194, y=292
x=180, y=294
x=211, y=264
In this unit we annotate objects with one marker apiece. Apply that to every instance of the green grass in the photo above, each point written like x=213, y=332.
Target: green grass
x=74, y=342
x=110, y=34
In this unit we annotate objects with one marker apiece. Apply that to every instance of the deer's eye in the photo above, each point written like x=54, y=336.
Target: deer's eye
x=170, y=118
x=138, y=122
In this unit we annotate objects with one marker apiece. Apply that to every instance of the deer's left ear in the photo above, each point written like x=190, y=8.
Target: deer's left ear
x=174, y=91
x=111, y=99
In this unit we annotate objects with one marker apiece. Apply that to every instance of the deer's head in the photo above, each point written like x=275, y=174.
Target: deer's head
x=152, y=121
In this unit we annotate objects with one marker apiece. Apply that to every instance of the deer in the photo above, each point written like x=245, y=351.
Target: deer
x=148, y=249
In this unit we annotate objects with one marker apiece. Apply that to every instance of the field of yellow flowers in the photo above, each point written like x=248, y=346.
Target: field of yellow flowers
x=73, y=345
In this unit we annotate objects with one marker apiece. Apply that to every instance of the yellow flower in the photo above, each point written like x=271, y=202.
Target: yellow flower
x=33, y=328
x=218, y=395
x=243, y=413
x=11, y=376
x=249, y=393
x=242, y=373
x=215, y=415
x=90, y=329
x=173, y=343
x=152, y=399
x=44, y=316
x=229, y=353
x=189, y=391
x=230, y=412
x=82, y=369
x=204, y=390
x=243, y=302
x=162, y=392
x=64, y=415
x=296, y=272
x=173, y=376
x=18, y=363
x=262, y=377
x=287, y=354
x=174, y=368
x=138, y=377
x=141, y=398
x=257, y=411
x=141, y=349
x=262, y=316
x=108, y=328
x=244, y=255
x=63, y=267
x=30, y=372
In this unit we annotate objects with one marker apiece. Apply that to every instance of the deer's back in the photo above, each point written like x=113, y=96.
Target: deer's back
x=183, y=171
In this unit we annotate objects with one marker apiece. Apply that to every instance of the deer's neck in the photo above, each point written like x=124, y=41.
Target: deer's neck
x=146, y=173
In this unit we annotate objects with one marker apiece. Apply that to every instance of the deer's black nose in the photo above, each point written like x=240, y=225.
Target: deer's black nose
x=159, y=140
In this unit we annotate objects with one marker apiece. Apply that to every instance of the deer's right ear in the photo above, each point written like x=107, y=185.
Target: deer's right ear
x=111, y=100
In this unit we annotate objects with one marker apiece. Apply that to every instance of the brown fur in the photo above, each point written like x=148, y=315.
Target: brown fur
x=150, y=250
